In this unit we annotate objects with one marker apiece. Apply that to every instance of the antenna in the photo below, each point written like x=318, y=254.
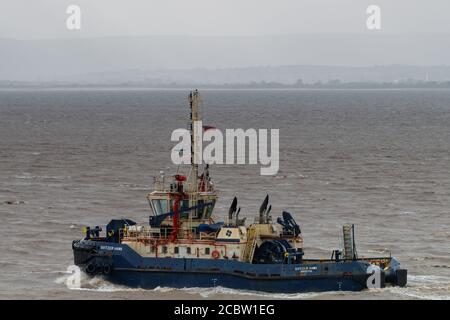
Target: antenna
x=194, y=102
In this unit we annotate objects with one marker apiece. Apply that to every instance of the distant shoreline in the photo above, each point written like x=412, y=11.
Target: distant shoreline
x=118, y=88
x=331, y=85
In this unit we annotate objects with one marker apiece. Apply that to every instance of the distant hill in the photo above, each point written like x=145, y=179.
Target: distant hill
x=285, y=75
x=221, y=60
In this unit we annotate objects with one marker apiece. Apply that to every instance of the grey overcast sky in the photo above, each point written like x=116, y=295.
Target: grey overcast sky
x=34, y=19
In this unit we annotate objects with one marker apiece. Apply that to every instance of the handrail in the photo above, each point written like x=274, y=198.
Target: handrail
x=155, y=233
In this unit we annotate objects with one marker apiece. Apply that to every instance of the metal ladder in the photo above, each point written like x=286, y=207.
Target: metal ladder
x=252, y=237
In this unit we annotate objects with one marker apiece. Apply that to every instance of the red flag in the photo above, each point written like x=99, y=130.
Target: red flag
x=206, y=128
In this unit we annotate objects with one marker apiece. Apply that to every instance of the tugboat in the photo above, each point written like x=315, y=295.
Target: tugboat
x=184, y=246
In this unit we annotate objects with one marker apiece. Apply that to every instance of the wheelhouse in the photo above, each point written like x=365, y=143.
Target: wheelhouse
x=162, y=203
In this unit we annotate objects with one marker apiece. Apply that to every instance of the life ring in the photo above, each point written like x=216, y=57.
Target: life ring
x=215, y=254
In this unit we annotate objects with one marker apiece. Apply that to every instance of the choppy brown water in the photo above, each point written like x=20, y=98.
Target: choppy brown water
x=379, y=159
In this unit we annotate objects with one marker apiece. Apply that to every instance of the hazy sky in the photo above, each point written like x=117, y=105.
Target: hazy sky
x=31, y=19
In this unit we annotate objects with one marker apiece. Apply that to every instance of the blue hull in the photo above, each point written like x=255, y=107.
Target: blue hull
x=122, y=265
x=150, y=280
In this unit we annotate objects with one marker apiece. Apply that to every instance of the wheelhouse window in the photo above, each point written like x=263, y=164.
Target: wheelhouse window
x=206, y=250
x=209, y=208
x=182, y=208
x=200, y=209
x=188, y=250
x=185, y=212
x=164, y=249
x=160, y=206
x=175, y=250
